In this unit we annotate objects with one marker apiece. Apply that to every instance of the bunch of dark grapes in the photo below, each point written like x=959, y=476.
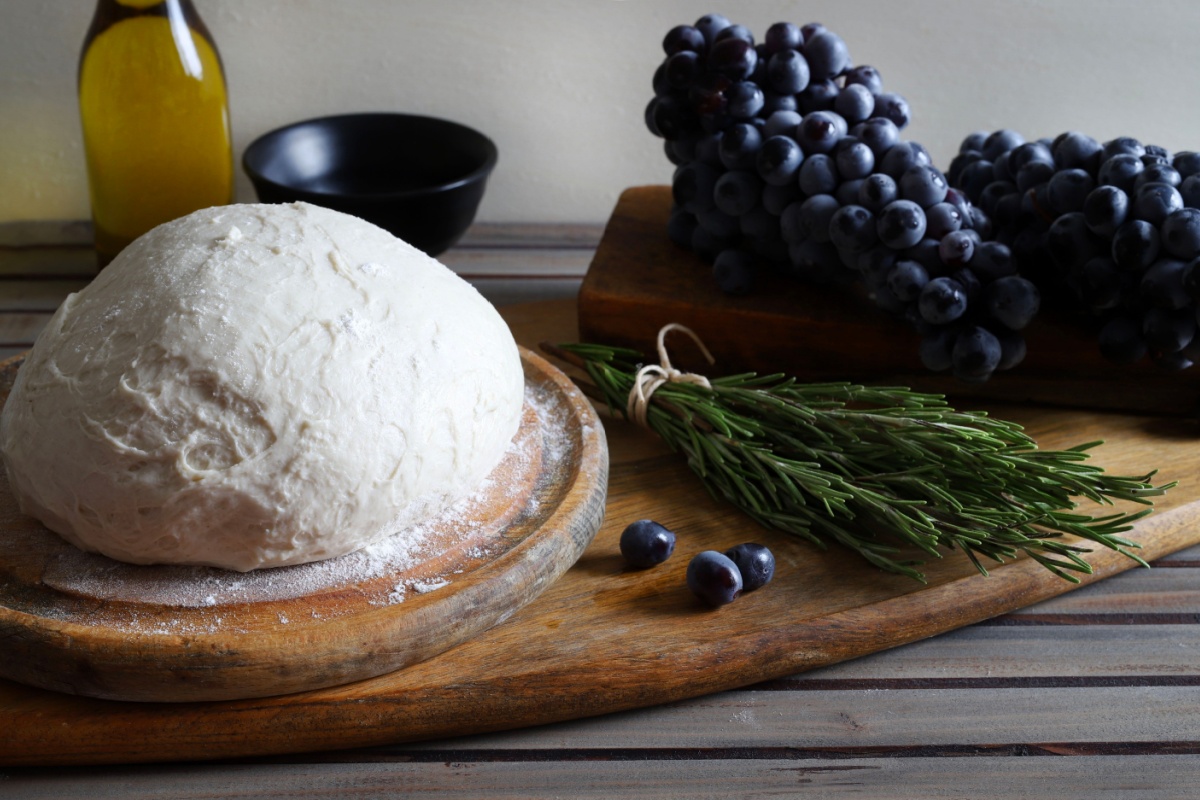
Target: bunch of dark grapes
x=1112, y=228
x=789, y=158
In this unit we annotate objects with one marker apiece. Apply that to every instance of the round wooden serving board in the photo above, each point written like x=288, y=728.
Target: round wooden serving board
x=85, y=624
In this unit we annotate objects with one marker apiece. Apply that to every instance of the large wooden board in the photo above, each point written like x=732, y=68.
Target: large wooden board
x=82, y=623
x=605, y=638
x=639, y=280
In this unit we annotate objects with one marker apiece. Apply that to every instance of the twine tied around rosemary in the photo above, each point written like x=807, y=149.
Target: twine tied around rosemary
x=650, y=377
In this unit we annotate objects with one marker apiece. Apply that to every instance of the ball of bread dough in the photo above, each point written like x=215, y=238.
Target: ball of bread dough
x=259, y=385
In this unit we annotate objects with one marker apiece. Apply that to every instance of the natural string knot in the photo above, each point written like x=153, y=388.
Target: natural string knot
x=651, y=376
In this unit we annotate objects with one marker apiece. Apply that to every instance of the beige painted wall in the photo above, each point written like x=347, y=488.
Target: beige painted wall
x=561, y=84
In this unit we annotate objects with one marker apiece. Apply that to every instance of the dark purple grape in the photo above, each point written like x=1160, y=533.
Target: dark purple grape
x=906, y=280
x=901, y=224
x=924, y=185
x=1154, y=202
x=1122, y=145
x=1033, y=174
x=942, y=301
x=902, y=156
x=1122, y=171
x=787, y=72
x=707, y=245
x=1181, y=233
x=670, y=117
x=733, y=271
x=743, y=100
x=646, y=543
x=865, y=76
x=815, y=214
x=682, y=69
x=773, y=101
x=928, y=254
x=973, y=142
x=819, y=175
x=779, y=160
x=852, y=229
x=732, y=58
x=710, y=25
x=714, y=578
x=1029, y=153
x=1186, y=163
x=739, y=146
x=781, y=123
x=991, y=195
x=720, y=224
x=877, y=191
x=877, y=133
x=1013, y=301
x=855, y=103
x=826, y=54
x=818, y=96
x=755, y=562
x=940, y=218
x=976, y=354
x=818, y=132
x=894, y=107
x=1162, y=284
x=683, y=38
x=1168, y=331
x=1189, y=190
x=680, y=226
x=692, y=186
x=1158, y=173
x=1068, y=190
x=999, y=142
x=956, y=248
x=1070, y=242
x=1075, y=150
x=1135, y=245
x=783, y=36
x=1012, y=349
x=737, y=192
x=853, y=158
x=735, y=32
x=1105, y=209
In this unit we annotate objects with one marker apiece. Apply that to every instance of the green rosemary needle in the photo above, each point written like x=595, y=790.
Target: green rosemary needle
x=880, y=470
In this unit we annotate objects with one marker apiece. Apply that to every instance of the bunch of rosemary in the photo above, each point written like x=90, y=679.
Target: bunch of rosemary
x=879, y=470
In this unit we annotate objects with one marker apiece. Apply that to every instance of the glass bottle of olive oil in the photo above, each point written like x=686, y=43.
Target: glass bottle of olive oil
x=155, y=118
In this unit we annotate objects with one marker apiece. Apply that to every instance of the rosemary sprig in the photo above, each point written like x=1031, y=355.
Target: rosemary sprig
x=880, y=470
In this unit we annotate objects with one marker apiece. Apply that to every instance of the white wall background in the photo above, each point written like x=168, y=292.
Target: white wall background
x=561, y=84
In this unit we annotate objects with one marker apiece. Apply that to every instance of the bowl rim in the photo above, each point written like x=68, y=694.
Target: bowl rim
x=477, y=174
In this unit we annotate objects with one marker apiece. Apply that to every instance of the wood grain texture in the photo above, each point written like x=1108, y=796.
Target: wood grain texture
x=639, y=280
x=122, y=638
x=605, y=638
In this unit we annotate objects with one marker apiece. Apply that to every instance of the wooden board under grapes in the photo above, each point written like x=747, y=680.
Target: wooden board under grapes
x=640, y=280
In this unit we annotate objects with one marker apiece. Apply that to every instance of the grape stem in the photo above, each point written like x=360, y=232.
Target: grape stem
x=892, y=474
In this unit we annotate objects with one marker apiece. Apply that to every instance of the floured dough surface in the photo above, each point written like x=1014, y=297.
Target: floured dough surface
x=260, y=385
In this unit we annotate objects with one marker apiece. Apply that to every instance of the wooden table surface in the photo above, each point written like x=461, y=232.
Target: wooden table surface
x=1093, y=694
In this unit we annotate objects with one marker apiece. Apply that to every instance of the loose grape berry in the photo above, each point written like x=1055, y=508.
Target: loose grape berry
x=714, y=578
x=755, y=562
x=646, y=543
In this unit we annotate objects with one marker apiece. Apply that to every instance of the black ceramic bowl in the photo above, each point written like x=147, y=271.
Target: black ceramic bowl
x=420, y=178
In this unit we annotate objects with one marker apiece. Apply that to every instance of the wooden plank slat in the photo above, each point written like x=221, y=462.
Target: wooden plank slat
x=555, y=263
x=981, y=652
x=47, y=262
x=873, y=718
x=916, y=778
x=36, y=295
x=18, y=329
x=531, y=235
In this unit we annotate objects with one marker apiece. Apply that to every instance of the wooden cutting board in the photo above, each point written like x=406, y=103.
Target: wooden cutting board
x=606, y=638
x=639, y=280
x=85, y=624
